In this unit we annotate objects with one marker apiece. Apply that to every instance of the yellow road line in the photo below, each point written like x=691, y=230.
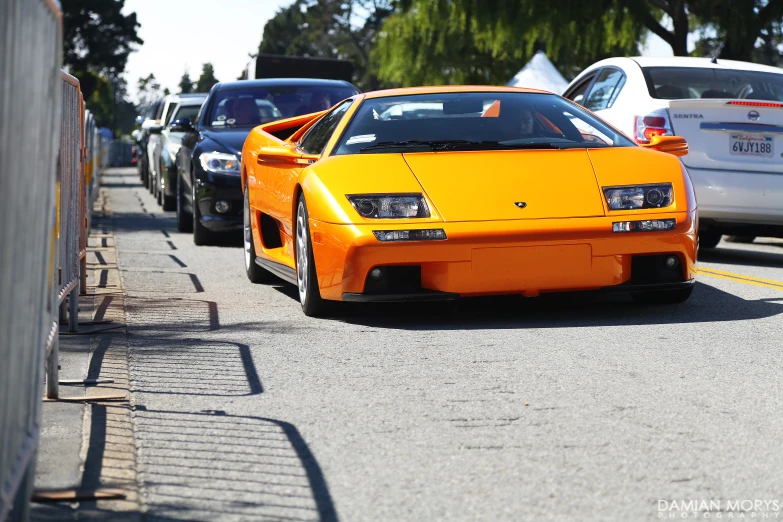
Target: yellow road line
x=741, y=278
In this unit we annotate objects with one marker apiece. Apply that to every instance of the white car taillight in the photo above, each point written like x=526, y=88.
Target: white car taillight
x=656, y=123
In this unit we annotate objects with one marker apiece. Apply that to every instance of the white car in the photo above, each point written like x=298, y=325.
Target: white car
x=730, y=113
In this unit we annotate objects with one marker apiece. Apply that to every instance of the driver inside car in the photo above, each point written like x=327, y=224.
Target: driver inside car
x=243, y=111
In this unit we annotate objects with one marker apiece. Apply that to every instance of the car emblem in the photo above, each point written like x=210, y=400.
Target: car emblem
x=520, y=204
x=754, y=115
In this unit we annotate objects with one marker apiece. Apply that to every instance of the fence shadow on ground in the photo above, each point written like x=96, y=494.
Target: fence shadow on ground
x=192, y=367
x=214, y=466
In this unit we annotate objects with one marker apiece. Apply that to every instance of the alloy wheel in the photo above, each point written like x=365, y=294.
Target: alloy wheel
x=248, y=236
x=302, y=254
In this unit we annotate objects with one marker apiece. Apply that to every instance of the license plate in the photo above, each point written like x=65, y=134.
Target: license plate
x=751, y=145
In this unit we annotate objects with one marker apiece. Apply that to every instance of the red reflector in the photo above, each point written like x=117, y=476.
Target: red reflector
x=649, y=133
x=654, y=121
x=755, y=104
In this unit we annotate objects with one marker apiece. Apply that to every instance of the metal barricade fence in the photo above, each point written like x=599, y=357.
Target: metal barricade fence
x=71, y=220
x=30, y=98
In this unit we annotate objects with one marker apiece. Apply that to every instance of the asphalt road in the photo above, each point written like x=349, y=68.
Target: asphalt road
x=561, y=408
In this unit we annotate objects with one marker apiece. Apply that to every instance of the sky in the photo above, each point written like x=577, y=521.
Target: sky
x=182, y=35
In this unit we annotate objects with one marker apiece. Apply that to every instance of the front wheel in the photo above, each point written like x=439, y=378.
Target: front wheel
x=201, y=236
x=255, y=273
x=307, y=281
x=184, y=219
x=740, y=239
x=663, y=297
x=709, y=238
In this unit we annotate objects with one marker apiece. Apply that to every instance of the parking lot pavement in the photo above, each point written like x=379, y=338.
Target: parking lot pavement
x=569, y=407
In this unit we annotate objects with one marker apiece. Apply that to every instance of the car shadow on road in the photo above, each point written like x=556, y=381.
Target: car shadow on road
x=215, y=466
x=736, y=256
x=582, y=309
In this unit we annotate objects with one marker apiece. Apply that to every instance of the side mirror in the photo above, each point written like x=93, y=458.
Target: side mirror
x=285, y=157
x=675, y=145
x=181, y=125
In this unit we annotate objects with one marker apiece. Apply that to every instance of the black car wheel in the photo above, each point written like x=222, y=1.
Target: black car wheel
x=184, y=219
x=663, y=297
x=255, y=273
x=201, y=236
x=307, y=281
x=740, y=239
x=709, y=238
x=166, y=202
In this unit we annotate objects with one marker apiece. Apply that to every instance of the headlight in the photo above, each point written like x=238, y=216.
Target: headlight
x=219, y=163
x=390, y=205
x=639, y=196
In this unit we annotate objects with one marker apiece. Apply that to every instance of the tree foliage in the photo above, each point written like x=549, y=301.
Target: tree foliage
x=342, y=29
x=148, y=89
x=207, y=78
x=486, y=41
x=185, y=83
x=97, y=39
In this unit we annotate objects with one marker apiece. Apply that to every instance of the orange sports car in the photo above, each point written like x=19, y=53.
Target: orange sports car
x=439, y=192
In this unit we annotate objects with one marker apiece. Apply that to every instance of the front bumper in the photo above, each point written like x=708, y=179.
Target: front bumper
x=738, y=196
x=500, y=257
x=213, y=188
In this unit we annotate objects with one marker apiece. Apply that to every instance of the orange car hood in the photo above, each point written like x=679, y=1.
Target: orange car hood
x=522, y=184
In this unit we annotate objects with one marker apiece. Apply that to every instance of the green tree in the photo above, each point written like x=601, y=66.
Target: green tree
x=97, y=39
x=444, y=41
x=467, y=41
x=149, y=91
x=185, y=83
x=342, y=29
x=741, y=26
x=207, y=78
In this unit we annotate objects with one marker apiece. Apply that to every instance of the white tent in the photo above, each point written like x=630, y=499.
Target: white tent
x=539, y=73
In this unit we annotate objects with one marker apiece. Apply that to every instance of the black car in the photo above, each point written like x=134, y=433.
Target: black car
x=209, y=195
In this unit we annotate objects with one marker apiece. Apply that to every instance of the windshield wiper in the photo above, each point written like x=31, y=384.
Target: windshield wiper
x=414, y=144
x=455, y=145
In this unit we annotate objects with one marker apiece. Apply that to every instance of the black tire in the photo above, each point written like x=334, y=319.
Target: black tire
x=307, y=280
x=158, y=195
x=201, y=236
x=166, y=202
x=255, y=273
x=663, y=297
x=184, y=219
x=740, y=239
x=709, y=238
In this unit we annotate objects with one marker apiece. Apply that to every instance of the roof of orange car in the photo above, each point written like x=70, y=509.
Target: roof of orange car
x=448, y=88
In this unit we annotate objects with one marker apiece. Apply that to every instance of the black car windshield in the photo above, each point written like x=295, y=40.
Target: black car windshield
x=474, y=121
x=677, y=83
x=257, y=105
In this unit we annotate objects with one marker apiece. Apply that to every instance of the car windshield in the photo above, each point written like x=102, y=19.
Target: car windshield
x=474, y=121
x=254, y=106
x=187, y=111
x=677, y=83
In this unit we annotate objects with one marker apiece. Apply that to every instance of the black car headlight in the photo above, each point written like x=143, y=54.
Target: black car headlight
x=219, y=162
x=639, y=196
x=392, y=206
